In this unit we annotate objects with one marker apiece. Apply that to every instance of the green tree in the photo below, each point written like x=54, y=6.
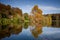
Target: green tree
x=26, y=16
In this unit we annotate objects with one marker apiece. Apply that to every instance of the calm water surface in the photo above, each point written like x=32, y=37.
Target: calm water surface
x=31, y=33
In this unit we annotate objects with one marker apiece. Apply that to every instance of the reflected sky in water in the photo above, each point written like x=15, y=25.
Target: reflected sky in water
x=50, y=30
x=48, y=33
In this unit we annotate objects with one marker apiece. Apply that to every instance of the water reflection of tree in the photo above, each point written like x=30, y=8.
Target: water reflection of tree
x=4, y=33
x=17, y=29
x=26, y=24
x=10, y=29
x=37, y=30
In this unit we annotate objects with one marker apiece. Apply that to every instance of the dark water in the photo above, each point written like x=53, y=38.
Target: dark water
x=30, y=33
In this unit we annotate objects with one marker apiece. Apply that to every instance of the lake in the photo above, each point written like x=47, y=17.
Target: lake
x=30, y=33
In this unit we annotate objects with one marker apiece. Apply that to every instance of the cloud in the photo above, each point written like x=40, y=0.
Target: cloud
x=48, y=8
x=26, y=8
x=45, y=9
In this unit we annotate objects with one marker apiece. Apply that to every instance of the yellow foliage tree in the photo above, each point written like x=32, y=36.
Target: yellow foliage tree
x=37, y=13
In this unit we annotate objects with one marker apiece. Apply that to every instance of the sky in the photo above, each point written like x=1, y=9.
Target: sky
x=47, y=6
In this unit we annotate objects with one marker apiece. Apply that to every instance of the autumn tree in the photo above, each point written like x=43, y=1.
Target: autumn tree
x=36, y=10
x=17, y=11
x=37, y=14
x=6, y=7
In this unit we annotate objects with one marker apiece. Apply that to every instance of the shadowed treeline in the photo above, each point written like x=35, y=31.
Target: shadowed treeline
x=12, y=15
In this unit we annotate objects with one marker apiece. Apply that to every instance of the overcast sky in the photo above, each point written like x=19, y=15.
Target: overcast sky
x=47, y=6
